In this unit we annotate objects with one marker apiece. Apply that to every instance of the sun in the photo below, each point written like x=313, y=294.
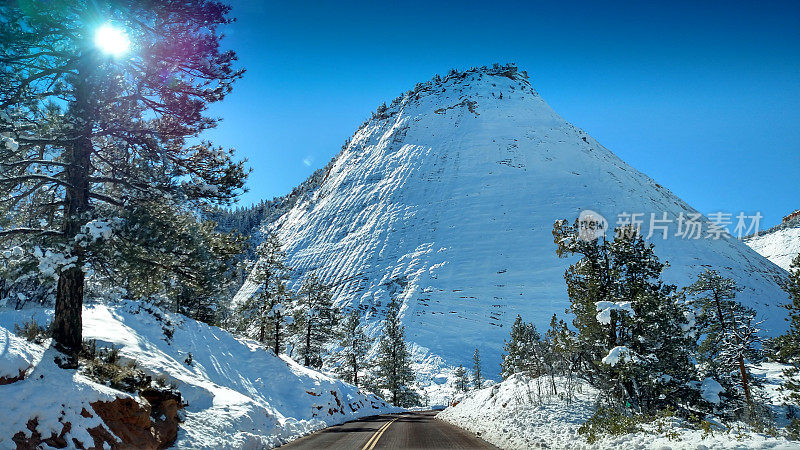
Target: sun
x=112, y=40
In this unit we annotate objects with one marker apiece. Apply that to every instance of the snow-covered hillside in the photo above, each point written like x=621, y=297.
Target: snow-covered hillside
x=446, y=199
x=780, y=244
x=514, y=415
x=239, y=395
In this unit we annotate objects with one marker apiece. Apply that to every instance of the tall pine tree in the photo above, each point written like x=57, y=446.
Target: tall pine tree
x=315, y=317
x=477, y=377
x=355, y=347
x=789, y=347
x=263, y=315
x=83, y=129
x=394, y=361
x=462, y=381
x=728, y=327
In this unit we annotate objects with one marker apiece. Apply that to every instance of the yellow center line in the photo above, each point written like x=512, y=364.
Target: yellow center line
x=374, y=439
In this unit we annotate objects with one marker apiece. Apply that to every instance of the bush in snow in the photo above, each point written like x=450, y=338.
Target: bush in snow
x=105, y=367
x=32, y=331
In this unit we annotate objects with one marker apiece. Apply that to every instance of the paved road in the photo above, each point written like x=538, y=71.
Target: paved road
x=411, y=430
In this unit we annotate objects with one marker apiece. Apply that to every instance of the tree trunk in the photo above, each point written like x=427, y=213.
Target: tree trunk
x=745, y=384
x=355, y=368
x=307, y=356
x=67, y=323
x=278, y=320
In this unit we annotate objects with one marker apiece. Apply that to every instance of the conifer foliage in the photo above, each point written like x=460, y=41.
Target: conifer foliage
x=462, y=380
x=730, y=332
x=520, y=351
x=789, y=348
x=263, y=316
x=83, y=130
x=355, y=346
x=633, y=338
x=477, y=376
x=394, y=371
x=315, y=319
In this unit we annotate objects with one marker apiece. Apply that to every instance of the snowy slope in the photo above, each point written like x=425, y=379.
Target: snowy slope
x=239, y=395
x=447, y=200
x=513, y=415
x=780, y=244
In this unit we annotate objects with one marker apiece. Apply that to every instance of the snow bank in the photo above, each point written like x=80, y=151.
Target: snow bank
x=512, y=415
x=48, y=393
x=239, y=395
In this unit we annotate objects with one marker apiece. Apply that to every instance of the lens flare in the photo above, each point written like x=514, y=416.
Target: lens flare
x=112, y=40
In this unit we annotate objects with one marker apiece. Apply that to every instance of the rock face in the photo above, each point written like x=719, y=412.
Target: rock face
x=152, y=425
x=446, y=200
x=13, y=379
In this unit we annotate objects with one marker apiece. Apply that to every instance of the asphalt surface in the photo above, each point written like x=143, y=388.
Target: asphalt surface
x=411, y=430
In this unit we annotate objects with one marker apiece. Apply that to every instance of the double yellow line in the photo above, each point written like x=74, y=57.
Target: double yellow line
x=374, y=439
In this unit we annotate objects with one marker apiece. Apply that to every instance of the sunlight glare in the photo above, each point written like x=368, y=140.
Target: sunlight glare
x=111, y=40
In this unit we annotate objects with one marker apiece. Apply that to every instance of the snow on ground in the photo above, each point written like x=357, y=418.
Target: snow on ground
x=512, y=415
x=42, y=393
x=239, y=395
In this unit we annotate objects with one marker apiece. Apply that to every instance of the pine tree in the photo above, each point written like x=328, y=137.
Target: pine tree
x=632, y=340
x=729, y=330
x=789, y=347
x=462, y=382
x=82, y=129
x=521, y=350
x=355, y=344
x=263, y=315
x=562, y=347
x=477, y=378
x=394, y=362
x=314, y=319
x=162, y=252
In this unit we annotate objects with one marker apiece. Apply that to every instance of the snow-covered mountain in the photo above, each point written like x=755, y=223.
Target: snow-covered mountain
x=779, y=244
x=446, y=199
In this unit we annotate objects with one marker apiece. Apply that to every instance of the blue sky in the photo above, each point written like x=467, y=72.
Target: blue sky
x=704, y=97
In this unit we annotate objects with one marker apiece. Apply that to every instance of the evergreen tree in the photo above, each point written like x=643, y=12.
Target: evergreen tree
x=263, y=315
x=82, y=129
x=789, y=348
x=394, y=362
x=562, y=347
x=356, y=345
x=477, y=378
x=729, y=330
x=162, y=252
x=462, y=382
x=633, y=339
x=315, y=318
x=521, y=350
